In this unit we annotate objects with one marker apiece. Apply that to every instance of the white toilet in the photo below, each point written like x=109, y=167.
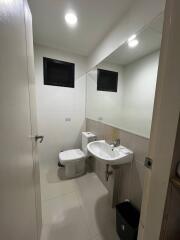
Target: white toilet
x=74, y=160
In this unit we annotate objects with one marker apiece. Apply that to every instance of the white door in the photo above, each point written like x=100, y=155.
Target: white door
x=164, y=126
x=33, y=110
x=18, y=178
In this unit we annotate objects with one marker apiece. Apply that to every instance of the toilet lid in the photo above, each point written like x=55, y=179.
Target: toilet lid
x=73, y=154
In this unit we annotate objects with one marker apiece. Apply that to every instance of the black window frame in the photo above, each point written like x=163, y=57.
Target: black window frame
x=100, y=86
x=47, y=61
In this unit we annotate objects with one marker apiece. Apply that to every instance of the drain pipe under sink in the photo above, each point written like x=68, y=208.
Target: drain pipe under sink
x=108, y=172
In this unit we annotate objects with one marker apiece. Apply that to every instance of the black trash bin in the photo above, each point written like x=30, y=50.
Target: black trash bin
x=127, y=221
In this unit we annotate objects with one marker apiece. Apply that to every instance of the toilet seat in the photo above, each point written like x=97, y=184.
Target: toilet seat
x=71, y=156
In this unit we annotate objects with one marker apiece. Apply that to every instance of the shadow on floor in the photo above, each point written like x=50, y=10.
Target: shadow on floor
x=106, y=218
x=67, y=226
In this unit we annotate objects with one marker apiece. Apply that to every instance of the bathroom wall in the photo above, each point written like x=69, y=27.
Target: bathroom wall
x=138, y=94
x=131, y=107
x=131, y=176
x=60, y=110
x=102, y=105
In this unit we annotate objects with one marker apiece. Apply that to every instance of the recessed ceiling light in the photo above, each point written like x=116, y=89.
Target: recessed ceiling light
x=133, y=43
x=71, y=19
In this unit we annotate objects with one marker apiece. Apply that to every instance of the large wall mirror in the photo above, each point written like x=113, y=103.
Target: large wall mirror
x=121, y=89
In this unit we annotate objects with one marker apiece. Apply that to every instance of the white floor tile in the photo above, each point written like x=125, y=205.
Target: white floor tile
x=66, y=232
x=56, y=210
x=94, y=198
x=98, y=237
x=63, y=218
x=76, y=209
x=52, y=186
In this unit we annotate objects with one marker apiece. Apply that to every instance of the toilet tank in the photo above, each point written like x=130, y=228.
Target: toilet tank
x=87, y=137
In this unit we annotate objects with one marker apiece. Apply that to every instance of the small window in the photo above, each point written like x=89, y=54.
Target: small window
x=107, y=80
x=58, y=73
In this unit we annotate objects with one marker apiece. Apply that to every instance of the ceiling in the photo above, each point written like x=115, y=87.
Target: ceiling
x=149, y=42
x=96, y=18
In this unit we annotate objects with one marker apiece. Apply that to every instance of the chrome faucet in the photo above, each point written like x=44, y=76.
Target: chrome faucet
x=116, y=143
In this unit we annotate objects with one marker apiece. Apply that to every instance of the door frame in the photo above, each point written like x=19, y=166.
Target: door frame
x=164, y=127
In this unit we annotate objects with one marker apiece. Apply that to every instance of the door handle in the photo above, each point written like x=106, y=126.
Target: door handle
x=40, y=138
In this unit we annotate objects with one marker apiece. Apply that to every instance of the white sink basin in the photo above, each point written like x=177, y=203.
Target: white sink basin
x=109, y=154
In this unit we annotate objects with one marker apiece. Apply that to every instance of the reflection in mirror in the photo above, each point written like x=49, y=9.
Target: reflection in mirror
x=135, y=64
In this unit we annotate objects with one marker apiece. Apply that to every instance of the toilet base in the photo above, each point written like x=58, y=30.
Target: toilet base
x=73, y=161
x=73, y=170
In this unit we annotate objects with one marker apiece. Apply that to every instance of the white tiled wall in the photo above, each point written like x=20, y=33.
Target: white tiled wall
x=55, y=104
